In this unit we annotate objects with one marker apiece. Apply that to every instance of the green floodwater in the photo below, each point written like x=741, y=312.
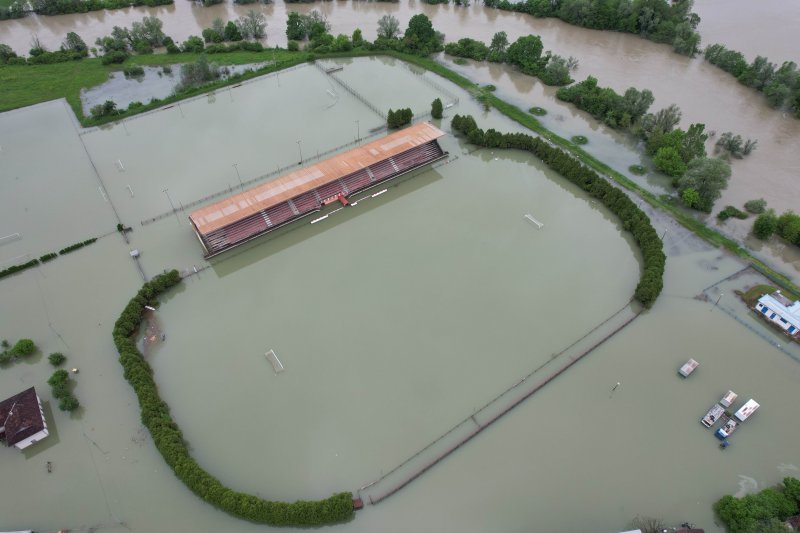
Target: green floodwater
x=394, y=319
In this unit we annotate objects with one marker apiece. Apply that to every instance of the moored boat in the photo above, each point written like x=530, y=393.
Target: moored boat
x=746, y=410
x=688, y=367
x=728, y=427
x=713, y=415
x=728, y=399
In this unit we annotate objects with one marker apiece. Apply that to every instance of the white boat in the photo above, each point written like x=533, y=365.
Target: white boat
x=688, y=368
x=727, y=428
x=728, y=399
x=713, y=415
x=746, y=410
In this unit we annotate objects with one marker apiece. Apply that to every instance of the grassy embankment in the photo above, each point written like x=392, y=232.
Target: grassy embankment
x=751, y=295
x=27, y=85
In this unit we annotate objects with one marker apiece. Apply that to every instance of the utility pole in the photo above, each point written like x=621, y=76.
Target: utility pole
x=236, y=166
x=301, y=152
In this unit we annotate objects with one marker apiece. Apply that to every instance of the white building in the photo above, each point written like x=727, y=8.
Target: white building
x=22, y=420
x=781, y=311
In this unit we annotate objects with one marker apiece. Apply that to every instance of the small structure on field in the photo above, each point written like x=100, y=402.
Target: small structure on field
x=22, y=420
x=781, y=311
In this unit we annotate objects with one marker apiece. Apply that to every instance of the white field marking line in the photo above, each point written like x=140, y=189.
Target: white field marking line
x=539, y=224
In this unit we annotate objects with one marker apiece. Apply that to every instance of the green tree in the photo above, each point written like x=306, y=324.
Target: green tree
x=6, y=53
x=526, y=54
x=68, y=403
x=388, y=27
x=690, y=198
x=295, y=28
x=56, y=359
x=765, y=225
x=252, y=25
x=420, y=38
x=556, y=72
x=232, y=32
x=709, y=177
x=23, y=348
x=358, y=38
x=147, y=31
x=789, y=227
x=74, y=43
x=668, y=160
x=498, y=47
x=436, y=108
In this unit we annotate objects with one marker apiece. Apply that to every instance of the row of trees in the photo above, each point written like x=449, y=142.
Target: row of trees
x=525, y=54
x=399, y=118
x=60, y=7
x=61, y=386
x=252, y=25
x=633, y=219
x=13, y=269
x=762, y=512
x=661, y=21
x=419, y=38
x=780, y=85
x=169, y=441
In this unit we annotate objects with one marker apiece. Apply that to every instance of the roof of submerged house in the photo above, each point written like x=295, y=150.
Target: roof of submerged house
x=20, y=416
x=251, y=201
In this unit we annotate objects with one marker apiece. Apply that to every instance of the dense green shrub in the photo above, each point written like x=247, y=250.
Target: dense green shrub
x=60, y=387
x=633, y=219
x=48, y=257
x=469, y=48
x=169, y=441
x=731, y=211
x=604, y=104
x=18, y=268
x=580, y=139
x=76, y=246
x=116, y=56
x=789, y=227
x=56, y=358
x=133, y=71
x=765, y=225
x=756, y=206
x=537, y=111
x=60, y=7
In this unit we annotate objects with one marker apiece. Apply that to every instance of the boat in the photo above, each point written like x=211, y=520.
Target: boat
x=728, y=427
x=713, y=415
x=746, y=410
x=688, y=368
x=728, y=399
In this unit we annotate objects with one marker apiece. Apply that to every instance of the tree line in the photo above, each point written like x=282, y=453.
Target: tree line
x=780, y=85
x=13, y=269
x=525, y=53
x=678, y=153
x=762, y=512
x=634, y=220
x=660, y=21
x=169, y=441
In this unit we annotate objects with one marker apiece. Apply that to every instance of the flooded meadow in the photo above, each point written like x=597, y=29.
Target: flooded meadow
x=395, y=318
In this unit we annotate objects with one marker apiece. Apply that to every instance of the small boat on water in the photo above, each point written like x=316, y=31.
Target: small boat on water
x=746, y=410
x=713, y=415
x=728, y=427
x=688, y=367
x=728, y=399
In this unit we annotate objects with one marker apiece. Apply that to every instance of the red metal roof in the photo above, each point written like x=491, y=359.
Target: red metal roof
x=242, y=205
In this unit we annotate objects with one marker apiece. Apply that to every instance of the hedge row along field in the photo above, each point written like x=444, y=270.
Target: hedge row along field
x=633, y=219
x=45, y=258
x=169, y=440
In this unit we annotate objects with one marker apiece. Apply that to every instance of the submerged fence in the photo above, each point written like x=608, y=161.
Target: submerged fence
x=503, y=403
x=352, y=91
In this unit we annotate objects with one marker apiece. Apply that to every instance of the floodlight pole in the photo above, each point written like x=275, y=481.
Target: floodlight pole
x=358, y=131
x=236, y=166
x=174, y=211
x=301, y=151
